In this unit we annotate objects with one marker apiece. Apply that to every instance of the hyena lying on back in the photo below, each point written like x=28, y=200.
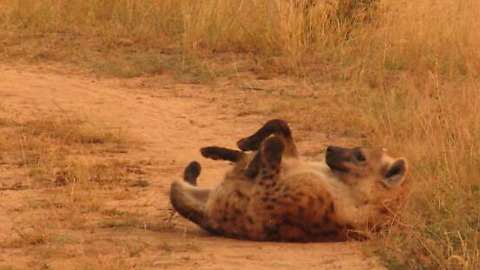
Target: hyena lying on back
x=272, y=195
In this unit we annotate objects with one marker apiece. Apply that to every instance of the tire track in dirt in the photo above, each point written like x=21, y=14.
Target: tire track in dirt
x=172, y=121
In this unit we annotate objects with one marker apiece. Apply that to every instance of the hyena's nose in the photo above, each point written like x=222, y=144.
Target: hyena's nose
x=331, y=149
x=334, y=149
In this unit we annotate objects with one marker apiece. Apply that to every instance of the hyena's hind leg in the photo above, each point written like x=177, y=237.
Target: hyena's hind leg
x=252, y=169
x=275, y=127
x=268, y=159
x=271, y=152
x=249, y=168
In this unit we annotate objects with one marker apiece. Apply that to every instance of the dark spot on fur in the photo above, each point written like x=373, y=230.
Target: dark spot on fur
x=294, y=198
x=295, y=239
x=270, y=207
x=384, y=211
x=301, y=211
x=275, y=216
x=329, y=233
x=249, y=220
x=239, y=194
x=306, y=230
x=320, y=200
x=349, y=227
x=264, y=199
x=273, y=200
x=287, y=221
x=310, y=200
x=267, y=176
x=237, y=211
x=273, y=167
x=271, y=232
x=325, y=220
x=338, y=226
x=332, y=208
x=317, y=226
x=300, y=194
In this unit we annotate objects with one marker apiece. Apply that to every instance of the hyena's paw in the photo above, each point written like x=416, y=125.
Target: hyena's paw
x=221, y=153
x=272, y=150
x=249, y=143
x=191, y=173
x=272, y=127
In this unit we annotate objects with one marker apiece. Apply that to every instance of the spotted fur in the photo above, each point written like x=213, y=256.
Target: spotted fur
x=288, y=199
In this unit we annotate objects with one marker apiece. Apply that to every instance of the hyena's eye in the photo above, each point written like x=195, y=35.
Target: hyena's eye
x=359, y=157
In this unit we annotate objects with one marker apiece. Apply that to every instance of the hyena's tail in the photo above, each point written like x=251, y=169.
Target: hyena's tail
x=190, y=201
x=185, y=204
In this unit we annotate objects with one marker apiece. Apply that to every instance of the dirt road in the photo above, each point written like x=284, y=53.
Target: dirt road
x=172, y=121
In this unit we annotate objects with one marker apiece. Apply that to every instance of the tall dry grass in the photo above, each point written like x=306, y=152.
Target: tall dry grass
x=407, y=73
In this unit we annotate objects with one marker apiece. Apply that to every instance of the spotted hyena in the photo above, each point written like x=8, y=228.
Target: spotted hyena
x=273, y=195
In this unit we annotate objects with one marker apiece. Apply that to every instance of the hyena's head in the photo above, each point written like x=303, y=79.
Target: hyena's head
x=372, y=172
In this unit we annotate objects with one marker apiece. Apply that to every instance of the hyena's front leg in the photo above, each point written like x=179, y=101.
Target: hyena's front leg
x=221, y=153
x=275, y=127
x=240, y=159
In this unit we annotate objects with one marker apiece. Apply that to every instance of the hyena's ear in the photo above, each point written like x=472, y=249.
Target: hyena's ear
x=395, y=174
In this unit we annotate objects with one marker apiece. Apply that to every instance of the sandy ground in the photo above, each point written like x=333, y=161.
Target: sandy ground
x=172, y=121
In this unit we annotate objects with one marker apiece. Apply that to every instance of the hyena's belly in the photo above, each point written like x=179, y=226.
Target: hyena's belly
x=227, y=210
x=300, y=209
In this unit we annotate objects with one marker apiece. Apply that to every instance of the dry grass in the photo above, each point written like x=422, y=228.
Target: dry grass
x=73, y=168
x=403, y=73
x=438, y=131
x=59, y=149
x=62, y=156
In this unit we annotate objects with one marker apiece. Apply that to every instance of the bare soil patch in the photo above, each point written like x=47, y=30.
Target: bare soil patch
x=131, y=225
